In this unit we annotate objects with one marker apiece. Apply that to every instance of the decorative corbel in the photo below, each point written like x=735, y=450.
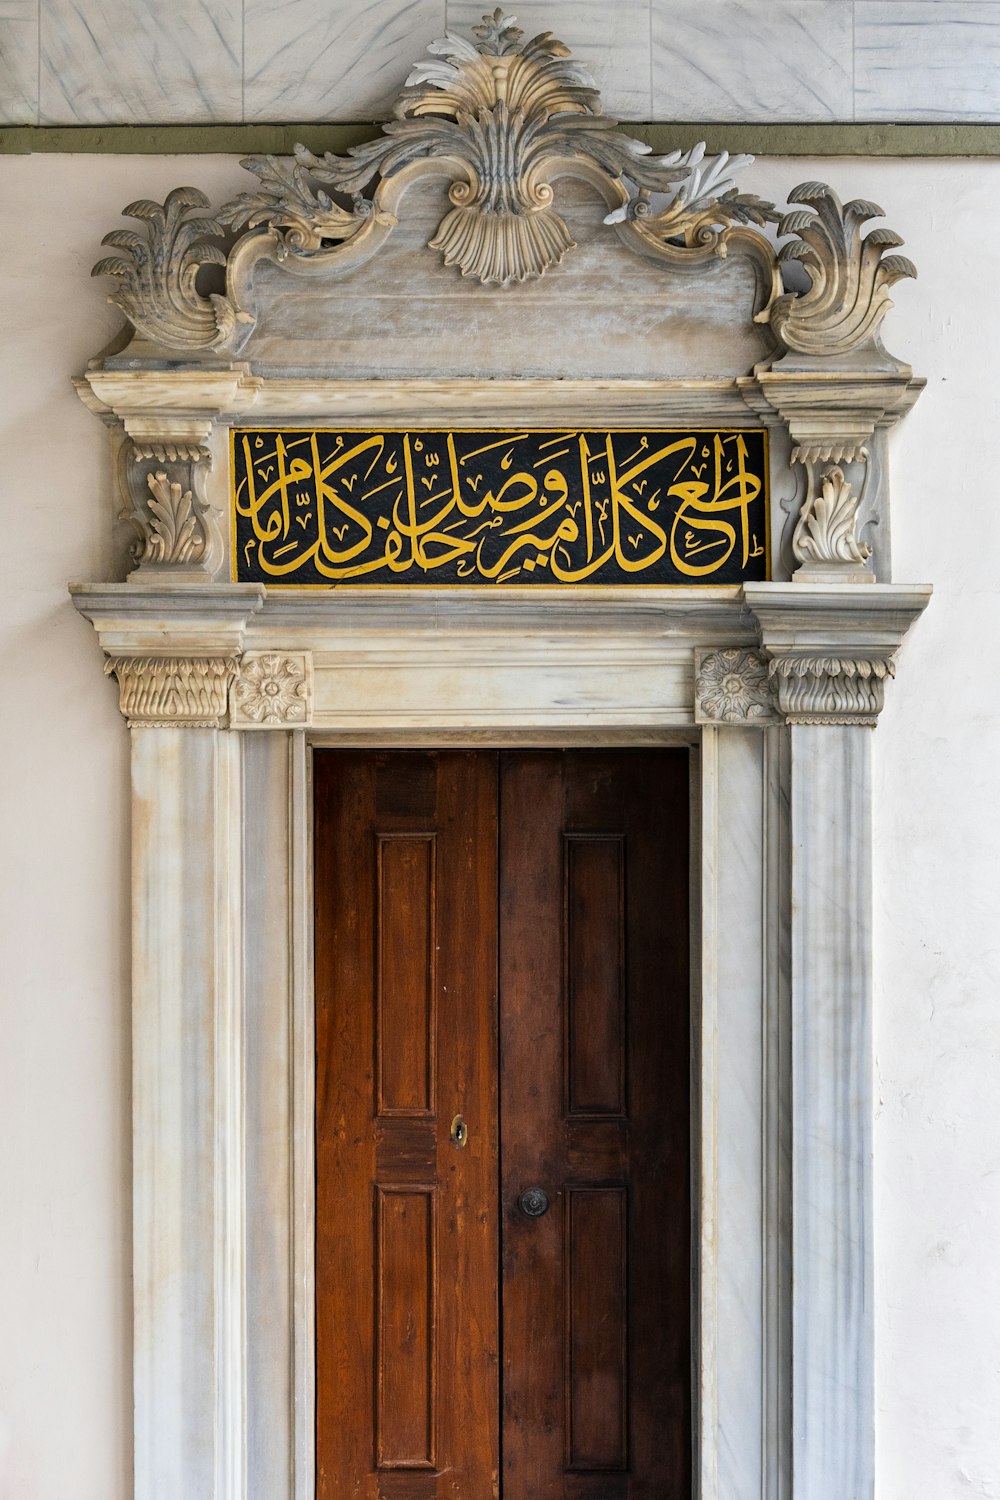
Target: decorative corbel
x=826, y=542
x=178, y=531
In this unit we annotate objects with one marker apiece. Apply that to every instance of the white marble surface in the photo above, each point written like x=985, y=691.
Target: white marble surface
x=310, y=59
x=18, y=61
x=833, y=1400
x=747, y=60
x=124, y=61
x=139, y=61
x=927, y=60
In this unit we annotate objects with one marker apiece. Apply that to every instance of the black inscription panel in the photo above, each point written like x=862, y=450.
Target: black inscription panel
x=552, y=507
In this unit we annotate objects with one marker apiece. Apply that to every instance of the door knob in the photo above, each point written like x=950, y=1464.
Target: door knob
x=533, y=1202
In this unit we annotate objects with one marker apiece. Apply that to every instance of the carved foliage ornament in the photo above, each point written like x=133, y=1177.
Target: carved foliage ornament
x=177, y=530
x=831, y=689
x=502, y=117
x=175, y=691
x=733, y=688
x=826, y=533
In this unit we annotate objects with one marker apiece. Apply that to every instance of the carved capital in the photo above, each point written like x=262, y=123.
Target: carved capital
x=178, y=532
x=173, y=691
x=272, y=690
x=831, y=689
x=733, y=687
x=831, y=648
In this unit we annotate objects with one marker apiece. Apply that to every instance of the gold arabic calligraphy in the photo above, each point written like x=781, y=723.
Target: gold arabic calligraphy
x=494, y=507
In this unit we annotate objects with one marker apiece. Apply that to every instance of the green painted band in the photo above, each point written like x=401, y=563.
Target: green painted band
x=761, y=140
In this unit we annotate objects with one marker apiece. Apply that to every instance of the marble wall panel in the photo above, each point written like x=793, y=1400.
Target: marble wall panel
x=927, y=60
x=202, y=61
x=313, y=60
x=107, y=61
x=613, y=40
x=752, y=60
x=18, y=61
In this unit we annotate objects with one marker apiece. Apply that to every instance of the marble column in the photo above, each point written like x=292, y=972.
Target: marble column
x=187, y=1058
x=831, y=1035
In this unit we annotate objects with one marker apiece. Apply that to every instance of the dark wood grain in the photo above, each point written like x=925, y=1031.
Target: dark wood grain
x=562, y=878
x=596, y=1293
x=406, y=1024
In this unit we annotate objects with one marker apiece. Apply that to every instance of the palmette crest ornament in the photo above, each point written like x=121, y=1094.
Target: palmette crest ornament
x=504, y=112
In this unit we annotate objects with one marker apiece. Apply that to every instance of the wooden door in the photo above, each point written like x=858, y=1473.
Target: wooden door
x=560, y=878
x=406, y=1218
x=594, y=1111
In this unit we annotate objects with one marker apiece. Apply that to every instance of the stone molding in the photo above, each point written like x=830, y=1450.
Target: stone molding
x=796, y=653
x=831, y=648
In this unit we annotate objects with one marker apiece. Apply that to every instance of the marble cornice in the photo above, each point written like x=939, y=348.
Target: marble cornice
x=832, y=647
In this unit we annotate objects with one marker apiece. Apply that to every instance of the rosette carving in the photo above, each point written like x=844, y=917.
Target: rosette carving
x=271, y=691
x=732, y=687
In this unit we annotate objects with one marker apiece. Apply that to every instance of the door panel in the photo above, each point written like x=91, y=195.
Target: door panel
x=406, y=965
x=562, y=877
x=594, y=1111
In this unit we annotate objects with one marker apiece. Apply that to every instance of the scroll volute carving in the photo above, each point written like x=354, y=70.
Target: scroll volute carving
x=849, y=275
x=177, y=532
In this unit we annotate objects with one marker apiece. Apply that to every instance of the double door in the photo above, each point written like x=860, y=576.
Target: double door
x=502, y=1126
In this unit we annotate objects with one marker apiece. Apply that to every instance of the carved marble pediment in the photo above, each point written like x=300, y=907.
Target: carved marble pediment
x=503, y=253
x=500, y=123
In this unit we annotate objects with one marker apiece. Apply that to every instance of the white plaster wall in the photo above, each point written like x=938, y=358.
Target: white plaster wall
x=64, y=1035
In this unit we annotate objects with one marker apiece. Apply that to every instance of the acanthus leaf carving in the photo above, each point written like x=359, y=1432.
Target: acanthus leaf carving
x=156, y=274
x=177, y=530
x=503, y=117
x=831, y=689
x=826, y=533
x=849, y=274
x=173, y=691
x=503, y=112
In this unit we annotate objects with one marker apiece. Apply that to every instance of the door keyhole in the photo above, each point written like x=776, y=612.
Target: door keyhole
x=459, y=1131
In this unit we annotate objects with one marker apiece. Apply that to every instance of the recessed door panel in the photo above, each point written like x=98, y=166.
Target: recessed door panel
x=594, y=1113
x=406, y=1219
x=503, y=1208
